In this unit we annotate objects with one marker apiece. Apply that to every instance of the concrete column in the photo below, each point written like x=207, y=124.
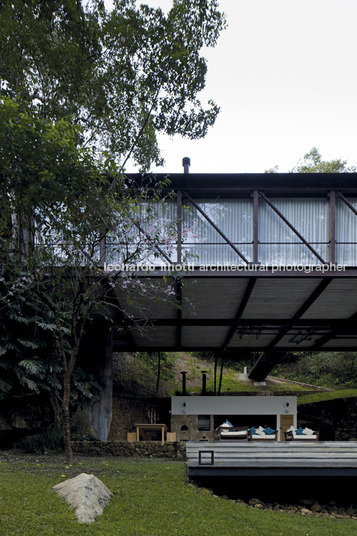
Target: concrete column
x=97, y=359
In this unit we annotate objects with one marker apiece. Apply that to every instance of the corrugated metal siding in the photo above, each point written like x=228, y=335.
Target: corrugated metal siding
x=278, y=244
x=346, y=232
x=204, y=245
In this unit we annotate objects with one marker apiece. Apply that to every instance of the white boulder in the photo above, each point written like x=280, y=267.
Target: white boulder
x=86, y=494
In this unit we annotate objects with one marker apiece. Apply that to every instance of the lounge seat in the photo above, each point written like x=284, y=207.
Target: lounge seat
x=227, y=431
x=234, y=433
x=301, y=434
x=263, y=434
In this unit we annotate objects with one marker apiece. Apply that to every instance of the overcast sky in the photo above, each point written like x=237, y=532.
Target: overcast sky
x=285, y=76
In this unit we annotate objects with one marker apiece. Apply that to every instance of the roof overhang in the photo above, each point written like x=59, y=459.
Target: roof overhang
x=243, y=311
x=236, y=184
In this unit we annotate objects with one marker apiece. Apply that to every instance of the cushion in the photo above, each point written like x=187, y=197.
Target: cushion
x=226, y=425
x=303, y=437
x=308, y=431
x=236, y=433
x=264, y=437
x=259, y=430
x=252, y=430
x=269, y=431
x=299, y=431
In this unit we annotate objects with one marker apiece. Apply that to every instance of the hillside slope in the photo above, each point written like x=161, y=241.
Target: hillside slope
x=136, y=374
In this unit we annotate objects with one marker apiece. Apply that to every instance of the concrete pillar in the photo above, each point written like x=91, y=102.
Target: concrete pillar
x=97, y=359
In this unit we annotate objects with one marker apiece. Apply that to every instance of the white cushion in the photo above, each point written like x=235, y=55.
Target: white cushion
x=263, y=436
x=225, y=425
x=237, y=433
x=304, y=437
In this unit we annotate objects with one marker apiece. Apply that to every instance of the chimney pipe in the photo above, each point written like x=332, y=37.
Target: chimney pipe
x=186, y=162
x=183, y=382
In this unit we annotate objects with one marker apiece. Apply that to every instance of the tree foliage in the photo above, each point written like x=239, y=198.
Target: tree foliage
x=312, y=162
x=327, y=369
x=123, y=75
x=83, y=90
x=58, y=204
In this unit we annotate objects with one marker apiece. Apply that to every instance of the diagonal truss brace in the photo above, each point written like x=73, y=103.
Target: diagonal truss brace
x=290, y=225
x=346, y=201
x=148, y=237
x=216, y=228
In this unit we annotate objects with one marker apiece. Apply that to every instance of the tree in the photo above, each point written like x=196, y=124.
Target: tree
x=82, y=91
x=57, y=205
x=312, y=163
x=122, y=75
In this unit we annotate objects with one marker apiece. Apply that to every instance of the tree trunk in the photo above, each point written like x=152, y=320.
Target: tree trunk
x=67, y=374
x=158, y=371
x=67, y=441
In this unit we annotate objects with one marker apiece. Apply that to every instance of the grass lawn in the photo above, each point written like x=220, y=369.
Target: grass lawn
x=327, y=395
x=152, y=498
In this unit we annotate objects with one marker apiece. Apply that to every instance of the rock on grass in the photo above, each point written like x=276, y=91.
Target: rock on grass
x=86, y=494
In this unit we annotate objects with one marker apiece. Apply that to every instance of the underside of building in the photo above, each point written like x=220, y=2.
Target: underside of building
x=260, y=263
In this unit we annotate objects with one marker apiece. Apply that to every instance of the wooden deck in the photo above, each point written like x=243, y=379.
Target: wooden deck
x=248, y=459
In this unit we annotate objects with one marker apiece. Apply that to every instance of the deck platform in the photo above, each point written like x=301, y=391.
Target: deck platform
x=283, y=459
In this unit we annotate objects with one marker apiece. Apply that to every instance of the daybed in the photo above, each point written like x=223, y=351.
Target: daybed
x=227, y=431
x=301, y=434
x=263, y=434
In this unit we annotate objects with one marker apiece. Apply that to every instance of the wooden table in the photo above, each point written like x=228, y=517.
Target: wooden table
x=147, y=426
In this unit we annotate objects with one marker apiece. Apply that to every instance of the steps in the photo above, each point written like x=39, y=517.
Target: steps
x=321, y=457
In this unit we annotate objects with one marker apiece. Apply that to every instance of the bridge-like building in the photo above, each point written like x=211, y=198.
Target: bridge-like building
x=262, y=263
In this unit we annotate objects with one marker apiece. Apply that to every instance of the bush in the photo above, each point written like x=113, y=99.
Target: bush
x=50, y=439
x=331, y=369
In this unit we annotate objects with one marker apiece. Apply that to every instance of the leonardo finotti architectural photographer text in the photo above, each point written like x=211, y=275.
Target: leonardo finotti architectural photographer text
x=182, y=267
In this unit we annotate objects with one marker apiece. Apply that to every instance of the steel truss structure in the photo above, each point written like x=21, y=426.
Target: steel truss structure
x=284, y=293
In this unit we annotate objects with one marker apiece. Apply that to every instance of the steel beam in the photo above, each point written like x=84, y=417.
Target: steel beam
x=345, y=200
x=351, y=321
x=242, y=306
x=267, y=360
x=332, y=230
x=178, y=291
x=179, y=226
x=148, y=237
x=216, y=228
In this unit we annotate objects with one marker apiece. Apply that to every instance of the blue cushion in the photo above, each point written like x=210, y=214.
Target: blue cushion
x=299, y=431
x=269, y=431
x=229, y=424
x=252, y=430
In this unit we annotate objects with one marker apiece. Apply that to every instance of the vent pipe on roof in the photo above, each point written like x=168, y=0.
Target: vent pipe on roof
x=204, y=382
x=186, y=162
x=183, y=382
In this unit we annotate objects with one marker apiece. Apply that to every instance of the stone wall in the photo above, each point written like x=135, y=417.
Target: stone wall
x=129, y=410
x=153, y=449
x=126, y=412
x=335, y=419
x=186, y=428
